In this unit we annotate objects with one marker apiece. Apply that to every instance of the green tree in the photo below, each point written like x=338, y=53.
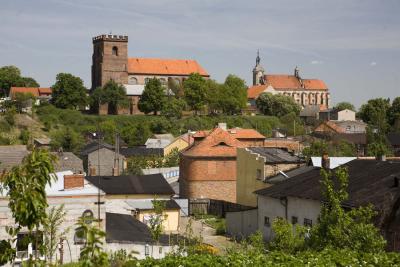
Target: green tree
x=29, y=82
x=153, y=97
x=287, y=238
x=172, y=159
x=25, y=185
x=375, y=113
x=176, y=87
x=157, y=219
x=339, y=229
x=394, y=112
x=195, y=92
x=23, y=100
x=52, y=235
x=344, y=105
x=173, y=108
x=92, y=253
x=276, y=105
x=67, y=139
x=316, y=149
x=111, y=93
x=233, y=96
x=69, y=92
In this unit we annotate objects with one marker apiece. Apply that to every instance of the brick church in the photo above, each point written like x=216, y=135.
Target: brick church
x=305, y=92
x=110, y=61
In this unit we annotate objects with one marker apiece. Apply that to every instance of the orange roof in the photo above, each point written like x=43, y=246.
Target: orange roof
x=218, y=143
x=245, y=133
x=35, y=91
x=291, y=82
x=256, y=90
x=200, y=134
x=325, y=126
x=160, y=66
x=314, y=84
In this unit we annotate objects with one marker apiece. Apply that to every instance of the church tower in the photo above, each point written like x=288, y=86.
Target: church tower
x=109, y=60
x=258, y=71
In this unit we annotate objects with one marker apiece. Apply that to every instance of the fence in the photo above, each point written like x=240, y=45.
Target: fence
x=214, y=207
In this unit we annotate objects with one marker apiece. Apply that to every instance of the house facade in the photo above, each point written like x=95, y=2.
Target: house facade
x=337, y=115
x=110, y=61
x=255, y=165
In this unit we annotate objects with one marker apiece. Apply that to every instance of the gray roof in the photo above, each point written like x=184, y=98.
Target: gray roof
x=93, y=146
x=275, y=155
x=68, y=161
x=282, y=176
x=11, y=156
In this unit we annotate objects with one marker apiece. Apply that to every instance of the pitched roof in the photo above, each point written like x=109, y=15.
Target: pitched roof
x=68, y=161
x=11, y=156
x=141, y=151
x=35, y=91
x=284, y=175
x=93, y=146
x=331, y=125
x=153, y=184
x=160, y=66
x=255, y=90
x=370, y=182
x=218, y=143
x=275, y=155
x=123, y=228
x=291, y=82
x=240, y=133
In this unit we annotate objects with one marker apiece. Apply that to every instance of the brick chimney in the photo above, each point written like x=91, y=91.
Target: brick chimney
x=325, y=161
x=73, y=181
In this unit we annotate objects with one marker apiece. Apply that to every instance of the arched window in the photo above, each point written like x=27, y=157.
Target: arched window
x=115, y=51
x=132, y=80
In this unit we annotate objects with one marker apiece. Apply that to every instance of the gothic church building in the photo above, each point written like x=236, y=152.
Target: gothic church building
x=305, y=92
x=110, y=61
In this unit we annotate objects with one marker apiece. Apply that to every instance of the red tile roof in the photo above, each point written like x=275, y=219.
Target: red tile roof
x=160, y=66
x=35, y=91
x=218, y=143
x=329, y=125
x=256, y=90
x=314, y=84
x=245, y=133
x=291, y=82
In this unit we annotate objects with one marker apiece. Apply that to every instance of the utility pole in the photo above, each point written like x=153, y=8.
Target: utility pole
x=294, y=127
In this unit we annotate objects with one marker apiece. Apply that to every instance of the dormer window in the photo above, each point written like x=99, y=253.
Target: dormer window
x=115, y=51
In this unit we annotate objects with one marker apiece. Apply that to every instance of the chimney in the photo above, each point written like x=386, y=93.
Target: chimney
x=73, y=181
x=325, y=161
x=222, y=125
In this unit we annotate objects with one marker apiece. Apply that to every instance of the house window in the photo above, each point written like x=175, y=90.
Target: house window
x=132, y=80
x=146, y=250
x=266, y=221
x=259, y=174
x=307, y=222
x=88, y=216
x=115, y=51
x=26, y=244
x=294, y=220
x=80, y=236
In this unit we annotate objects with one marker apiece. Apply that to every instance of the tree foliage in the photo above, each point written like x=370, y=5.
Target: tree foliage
x=157, y=218
x=276, y=105
x=11, y=76
x=173, y=108
x=375, y=113
x=195, y=91
x=66, y=139
x=287, y=237
x=344, y=105
x=69, y=92
x=153, y=97
x=111, y=93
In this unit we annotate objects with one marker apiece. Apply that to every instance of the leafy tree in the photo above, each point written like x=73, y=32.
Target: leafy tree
x=276, y=105
x=394, y=112
x=173, y=108
x=172, y=159
x=29, y=82
x=287, y=238
x=195, y=92
x=375, y=113
x=23, y=100
x=378, y=144
x=51, y=230
x=233, y=96
x=292, y=124
x=92, y=253
x=67, y=139
x=69, y=92
x=157, y=219
x=11, y=76
x=153, y=97
x=25, y=186
x=316, y=149
x=135, y=135
x=111, y=93
x=344, y=105
x=340, y=229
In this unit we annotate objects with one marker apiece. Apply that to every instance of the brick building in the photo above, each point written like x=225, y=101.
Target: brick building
x=110, y=61
x=208, y=167
x=304, y=91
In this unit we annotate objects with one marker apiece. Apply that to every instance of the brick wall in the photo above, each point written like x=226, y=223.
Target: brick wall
x=221, y=190
x=73, y=181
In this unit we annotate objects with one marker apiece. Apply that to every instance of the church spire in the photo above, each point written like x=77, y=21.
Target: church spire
x=258, y=57
x=258, y=71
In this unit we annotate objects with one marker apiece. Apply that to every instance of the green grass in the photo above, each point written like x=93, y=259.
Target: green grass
x=214, y=222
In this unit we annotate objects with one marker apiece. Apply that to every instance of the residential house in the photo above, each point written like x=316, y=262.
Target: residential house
x=40, y=94
x=337, y=115
x=299, y=198
x=133, y=194
x=310, y=113
x=341, y=127
x=79, y=199
x=255, y=165
x=208, y=167
x=394, y=141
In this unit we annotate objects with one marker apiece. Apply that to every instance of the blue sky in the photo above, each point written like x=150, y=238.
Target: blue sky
x=353, y=45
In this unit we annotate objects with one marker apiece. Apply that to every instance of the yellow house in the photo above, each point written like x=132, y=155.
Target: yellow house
x=255, y=165
x=179, y=143
x=134, y=195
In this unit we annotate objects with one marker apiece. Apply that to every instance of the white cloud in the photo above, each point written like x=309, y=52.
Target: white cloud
x=316, y=62
x=373, y=64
